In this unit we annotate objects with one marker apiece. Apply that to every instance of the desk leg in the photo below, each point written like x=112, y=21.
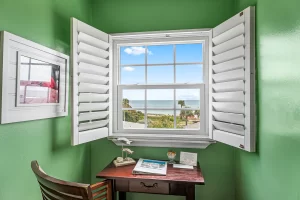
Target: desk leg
x=190, y=192
x=122, y=195
x=114, y=192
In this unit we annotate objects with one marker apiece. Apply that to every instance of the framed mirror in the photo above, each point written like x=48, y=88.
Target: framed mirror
x=35, y=80
x=38, y=81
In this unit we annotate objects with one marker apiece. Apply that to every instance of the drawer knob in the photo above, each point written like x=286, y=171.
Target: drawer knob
x=149, y=186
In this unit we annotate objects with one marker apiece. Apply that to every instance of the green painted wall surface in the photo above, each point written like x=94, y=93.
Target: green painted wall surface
x=46, y=22
x=115, y=16
x=273, y=172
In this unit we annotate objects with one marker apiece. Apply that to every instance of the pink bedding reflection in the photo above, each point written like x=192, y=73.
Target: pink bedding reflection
x=35, y=92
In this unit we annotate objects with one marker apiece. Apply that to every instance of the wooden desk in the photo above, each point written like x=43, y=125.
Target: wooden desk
x=180, y=182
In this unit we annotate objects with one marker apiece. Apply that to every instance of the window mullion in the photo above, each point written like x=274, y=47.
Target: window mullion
x=174, y=91
x=146, y=81
x=166, y=86
x=161, y=64
x=29, y=74
x=175, y=119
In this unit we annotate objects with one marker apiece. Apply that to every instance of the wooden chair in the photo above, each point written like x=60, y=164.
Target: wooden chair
x=55, y=189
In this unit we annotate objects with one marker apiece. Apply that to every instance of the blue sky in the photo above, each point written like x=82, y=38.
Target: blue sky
x=161, y=54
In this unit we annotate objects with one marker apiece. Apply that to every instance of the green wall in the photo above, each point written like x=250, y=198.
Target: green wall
x=273, y=172
x=116, y=16
x=48, y=141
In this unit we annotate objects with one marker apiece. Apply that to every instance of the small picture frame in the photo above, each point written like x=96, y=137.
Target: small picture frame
x=188, y=158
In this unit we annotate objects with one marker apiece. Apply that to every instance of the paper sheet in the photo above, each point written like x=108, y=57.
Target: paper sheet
x=182, y=166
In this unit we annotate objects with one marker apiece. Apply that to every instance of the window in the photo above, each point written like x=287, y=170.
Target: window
x=159, y=89
x=160, y=86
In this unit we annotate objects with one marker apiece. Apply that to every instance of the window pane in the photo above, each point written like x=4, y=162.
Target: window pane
x=160, y=54
x=133, y=99
x=24, y=72
x=133, y=119
x=189, y=53
x=133, y=75
x=188, y=98
x=188, y=119
x=160, y=74
x=41, y=73
x=132, y=55
x=189, y=74
x=160, y=119
x=160, y=98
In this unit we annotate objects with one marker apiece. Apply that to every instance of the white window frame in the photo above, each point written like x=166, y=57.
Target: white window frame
x=161, y=137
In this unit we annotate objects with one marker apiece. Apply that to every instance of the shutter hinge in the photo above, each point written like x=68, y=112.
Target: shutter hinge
x=241, y=14
x=242, y=146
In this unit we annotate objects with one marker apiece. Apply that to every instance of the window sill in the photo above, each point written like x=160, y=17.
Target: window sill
x=156, y=140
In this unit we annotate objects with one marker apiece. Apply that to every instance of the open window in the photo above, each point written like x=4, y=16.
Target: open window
x=170, y=88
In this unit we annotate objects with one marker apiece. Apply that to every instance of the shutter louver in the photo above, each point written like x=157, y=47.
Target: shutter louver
x=232, y=93
x=90, y=65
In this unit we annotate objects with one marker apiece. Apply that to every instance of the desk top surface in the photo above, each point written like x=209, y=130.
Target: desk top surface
x=194, y=176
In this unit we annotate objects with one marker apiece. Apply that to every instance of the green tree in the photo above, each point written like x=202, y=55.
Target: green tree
x=197, y=112
x=133, y=116
x=164, y=121
x=181, y=103
x=126, y=103
x=185, y=114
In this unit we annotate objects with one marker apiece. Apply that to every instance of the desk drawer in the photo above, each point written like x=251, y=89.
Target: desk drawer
x=156, y=187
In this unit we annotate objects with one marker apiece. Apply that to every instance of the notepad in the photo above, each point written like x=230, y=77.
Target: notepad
x=183, y=166
x=145, y=166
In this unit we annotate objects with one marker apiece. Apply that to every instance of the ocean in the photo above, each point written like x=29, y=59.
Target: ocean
x=193, y=104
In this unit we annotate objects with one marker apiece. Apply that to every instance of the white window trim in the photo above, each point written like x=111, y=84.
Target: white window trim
x=166, y=138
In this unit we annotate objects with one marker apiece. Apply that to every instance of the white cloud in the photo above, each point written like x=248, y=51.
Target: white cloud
x=129, y=69
x=137, y=51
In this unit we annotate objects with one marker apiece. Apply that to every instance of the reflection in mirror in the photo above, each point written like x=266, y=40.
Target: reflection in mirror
x=39, y=81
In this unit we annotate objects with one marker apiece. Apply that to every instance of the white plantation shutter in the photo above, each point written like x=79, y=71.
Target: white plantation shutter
x=90, y=65
x=232, y=90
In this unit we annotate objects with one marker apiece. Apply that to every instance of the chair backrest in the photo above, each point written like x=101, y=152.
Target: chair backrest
x=55, y=189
